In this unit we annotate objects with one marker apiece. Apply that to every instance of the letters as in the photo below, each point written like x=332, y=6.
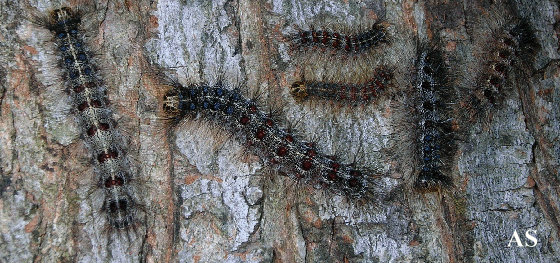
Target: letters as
x=529, y=234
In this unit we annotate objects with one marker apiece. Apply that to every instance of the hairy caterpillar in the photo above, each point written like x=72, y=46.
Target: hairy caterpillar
x=95, y=118
x=516, y=45
x=434, y=136
x=346, y=56
x=337, y=41
x=351, y=93
x=505, y=48
x=264, y=137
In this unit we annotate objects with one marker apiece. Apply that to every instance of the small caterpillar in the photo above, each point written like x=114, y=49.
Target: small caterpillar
x=90, y=104
x=341, y=62
x=514, y=46
x=434, y=138
x=344, y=93
x=507, y=47
x=349, y=43
x=264, y=137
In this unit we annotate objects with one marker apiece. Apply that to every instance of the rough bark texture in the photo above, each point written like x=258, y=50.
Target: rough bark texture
x=206, y=200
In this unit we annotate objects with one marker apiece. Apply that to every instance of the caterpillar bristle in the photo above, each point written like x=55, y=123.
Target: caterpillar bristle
x=265, y=136
x=108, y=148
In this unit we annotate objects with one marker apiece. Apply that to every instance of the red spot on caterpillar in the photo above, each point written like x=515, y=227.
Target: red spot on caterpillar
x=110, y=182
x=335, y=166
x=261, y=133
x=336, y=40
x=244, y=119
x=355, y=173
x=348, y=45
x=82, y=87
x=500, y=68
x=289, y=138
x=315, y=38
x=252, y=109
x=282, y=151
x=94, y=128
x=311, y=153
x=343, y=93
x=331, y=175
x=307, y=164
x=103, y=157
x=353, y=182
x=495, y=81
x=508, y=41
x=269, y=122
x=325, y=37
x=86, y=104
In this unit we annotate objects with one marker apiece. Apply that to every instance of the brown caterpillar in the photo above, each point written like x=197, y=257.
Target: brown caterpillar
x=505, y=49
x=349, y=43
x=350, y=93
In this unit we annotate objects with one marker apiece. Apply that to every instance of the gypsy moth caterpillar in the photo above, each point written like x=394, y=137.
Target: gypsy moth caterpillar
x=435, y=122
x=505, y=47
x=265, y=137
x=348, y=43
x=89, y=102
x=349, y=93
x=339, y=55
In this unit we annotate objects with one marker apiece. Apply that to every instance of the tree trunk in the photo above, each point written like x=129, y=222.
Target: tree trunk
x=204, y=198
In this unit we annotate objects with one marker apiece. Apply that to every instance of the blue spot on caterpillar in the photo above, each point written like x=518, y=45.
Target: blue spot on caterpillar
x=266, y=138
x=95, y=118
x=435, y=144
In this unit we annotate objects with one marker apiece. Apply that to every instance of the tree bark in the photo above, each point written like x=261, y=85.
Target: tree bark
x=205, y=199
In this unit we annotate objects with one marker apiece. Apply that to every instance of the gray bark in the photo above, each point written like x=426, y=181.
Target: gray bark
x=206, y=200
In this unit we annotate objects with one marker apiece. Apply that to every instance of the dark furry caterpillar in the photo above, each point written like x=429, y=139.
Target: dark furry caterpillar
x=345, y=93
x=357, y=43
x=95, y=117
x=509, y=50
x=435, y=133
x=264, y=137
